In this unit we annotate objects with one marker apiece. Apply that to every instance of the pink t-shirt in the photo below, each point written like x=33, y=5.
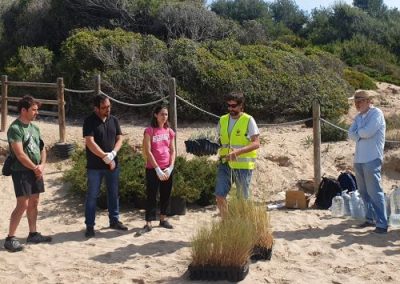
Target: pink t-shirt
x=160, y=140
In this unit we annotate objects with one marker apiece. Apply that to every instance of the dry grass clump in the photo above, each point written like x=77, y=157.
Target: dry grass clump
x=258, y=216
x=230, y=241
x=227, y=243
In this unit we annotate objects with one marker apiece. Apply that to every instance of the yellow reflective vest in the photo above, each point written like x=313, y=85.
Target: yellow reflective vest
x=237, y=139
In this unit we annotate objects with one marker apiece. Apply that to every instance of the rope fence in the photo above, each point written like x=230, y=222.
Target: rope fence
x=79, y=91
x=345, y=130
x=133, y=105
x=198, y=108
x=285, y=123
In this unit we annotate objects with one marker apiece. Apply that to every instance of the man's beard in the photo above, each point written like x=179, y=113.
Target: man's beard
x=234, y=113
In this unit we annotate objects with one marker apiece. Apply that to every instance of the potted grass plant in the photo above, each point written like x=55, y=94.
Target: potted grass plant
x=203, y=143
x=221, y=251
x=249, y=210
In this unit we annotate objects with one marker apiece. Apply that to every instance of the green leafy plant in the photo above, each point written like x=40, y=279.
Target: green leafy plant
x=209, y=134
x=194, y=179
x=76, y=175
x=131, y=176
x=307, y=142
x=359, y=80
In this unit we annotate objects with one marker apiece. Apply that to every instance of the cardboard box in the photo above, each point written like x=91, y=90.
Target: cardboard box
x=296, y=199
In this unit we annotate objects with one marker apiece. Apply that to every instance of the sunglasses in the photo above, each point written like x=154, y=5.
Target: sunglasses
x=232, y=105
x=359, y=99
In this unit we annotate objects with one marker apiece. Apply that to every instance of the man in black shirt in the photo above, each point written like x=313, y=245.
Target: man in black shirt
x=103, y=140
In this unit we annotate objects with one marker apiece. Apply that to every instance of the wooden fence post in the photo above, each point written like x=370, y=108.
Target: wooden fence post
x=97, y=84
x=172, y=109
x=317, y=144
x=4, y=104
x=61, y=108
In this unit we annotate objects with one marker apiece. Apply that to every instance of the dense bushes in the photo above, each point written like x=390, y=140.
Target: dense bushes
x=133, y=66
x=194, y=179
x=279, y=81
x=210, y=51
x=31, y=64
x=359, y=80
x=368, y=57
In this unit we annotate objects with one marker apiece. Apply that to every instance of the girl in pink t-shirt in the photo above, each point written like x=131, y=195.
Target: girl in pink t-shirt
x=159, y=148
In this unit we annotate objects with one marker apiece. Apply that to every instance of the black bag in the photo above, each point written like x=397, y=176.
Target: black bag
x=347, y=181
x=328, y=189
x=6, y=171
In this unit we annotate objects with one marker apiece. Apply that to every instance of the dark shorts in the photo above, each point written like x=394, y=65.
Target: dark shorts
x=25, y=183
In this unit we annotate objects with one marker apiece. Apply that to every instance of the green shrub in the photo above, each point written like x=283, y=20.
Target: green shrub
x=131, y=181
x=76, y=175
x=278, y=80
x=194, y=179
x=31, y=64
x=132, y=173
x=332, y=134
x=359, y=80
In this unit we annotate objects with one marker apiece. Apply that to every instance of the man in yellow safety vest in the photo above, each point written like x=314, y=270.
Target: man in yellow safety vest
x=239, y=137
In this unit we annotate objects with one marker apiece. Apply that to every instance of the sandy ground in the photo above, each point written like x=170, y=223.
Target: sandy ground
x=310, y=246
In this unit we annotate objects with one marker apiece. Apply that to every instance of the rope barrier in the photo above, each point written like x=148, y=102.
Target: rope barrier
x=216, y=116
x=132, y=105
x=285, y=123
x=333, y=125
x=79, y=91
x=196, y=107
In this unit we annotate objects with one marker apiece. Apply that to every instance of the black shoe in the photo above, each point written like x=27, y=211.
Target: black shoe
x=147, y=228
x=366, y=224
x=118, y=226
x=12, y=244
x=165, y=224
x=89, y=232
x=380, y=230
x=37, y=238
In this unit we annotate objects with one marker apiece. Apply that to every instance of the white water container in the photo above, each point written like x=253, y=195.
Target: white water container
x=394, y=219
x=357, y=207
x=337, y=208
x=346, y=199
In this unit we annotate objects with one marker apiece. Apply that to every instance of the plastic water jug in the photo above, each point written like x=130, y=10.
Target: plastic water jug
x=337, y=208
x=394, y=219
x=387, y=204
x=346, y=199
x=357, y=207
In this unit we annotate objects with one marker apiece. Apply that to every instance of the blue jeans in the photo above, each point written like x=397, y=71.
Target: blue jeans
x=95, y=178
x=368, y=176
x=226, y=175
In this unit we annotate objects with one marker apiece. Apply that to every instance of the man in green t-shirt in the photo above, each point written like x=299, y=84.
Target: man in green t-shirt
x=27, y=172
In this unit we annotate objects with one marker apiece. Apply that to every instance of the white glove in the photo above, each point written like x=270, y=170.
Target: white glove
x=161, y=175
x=169, y=170
x=109, y=157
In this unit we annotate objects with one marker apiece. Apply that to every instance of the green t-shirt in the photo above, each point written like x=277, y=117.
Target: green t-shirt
x=20, y=132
